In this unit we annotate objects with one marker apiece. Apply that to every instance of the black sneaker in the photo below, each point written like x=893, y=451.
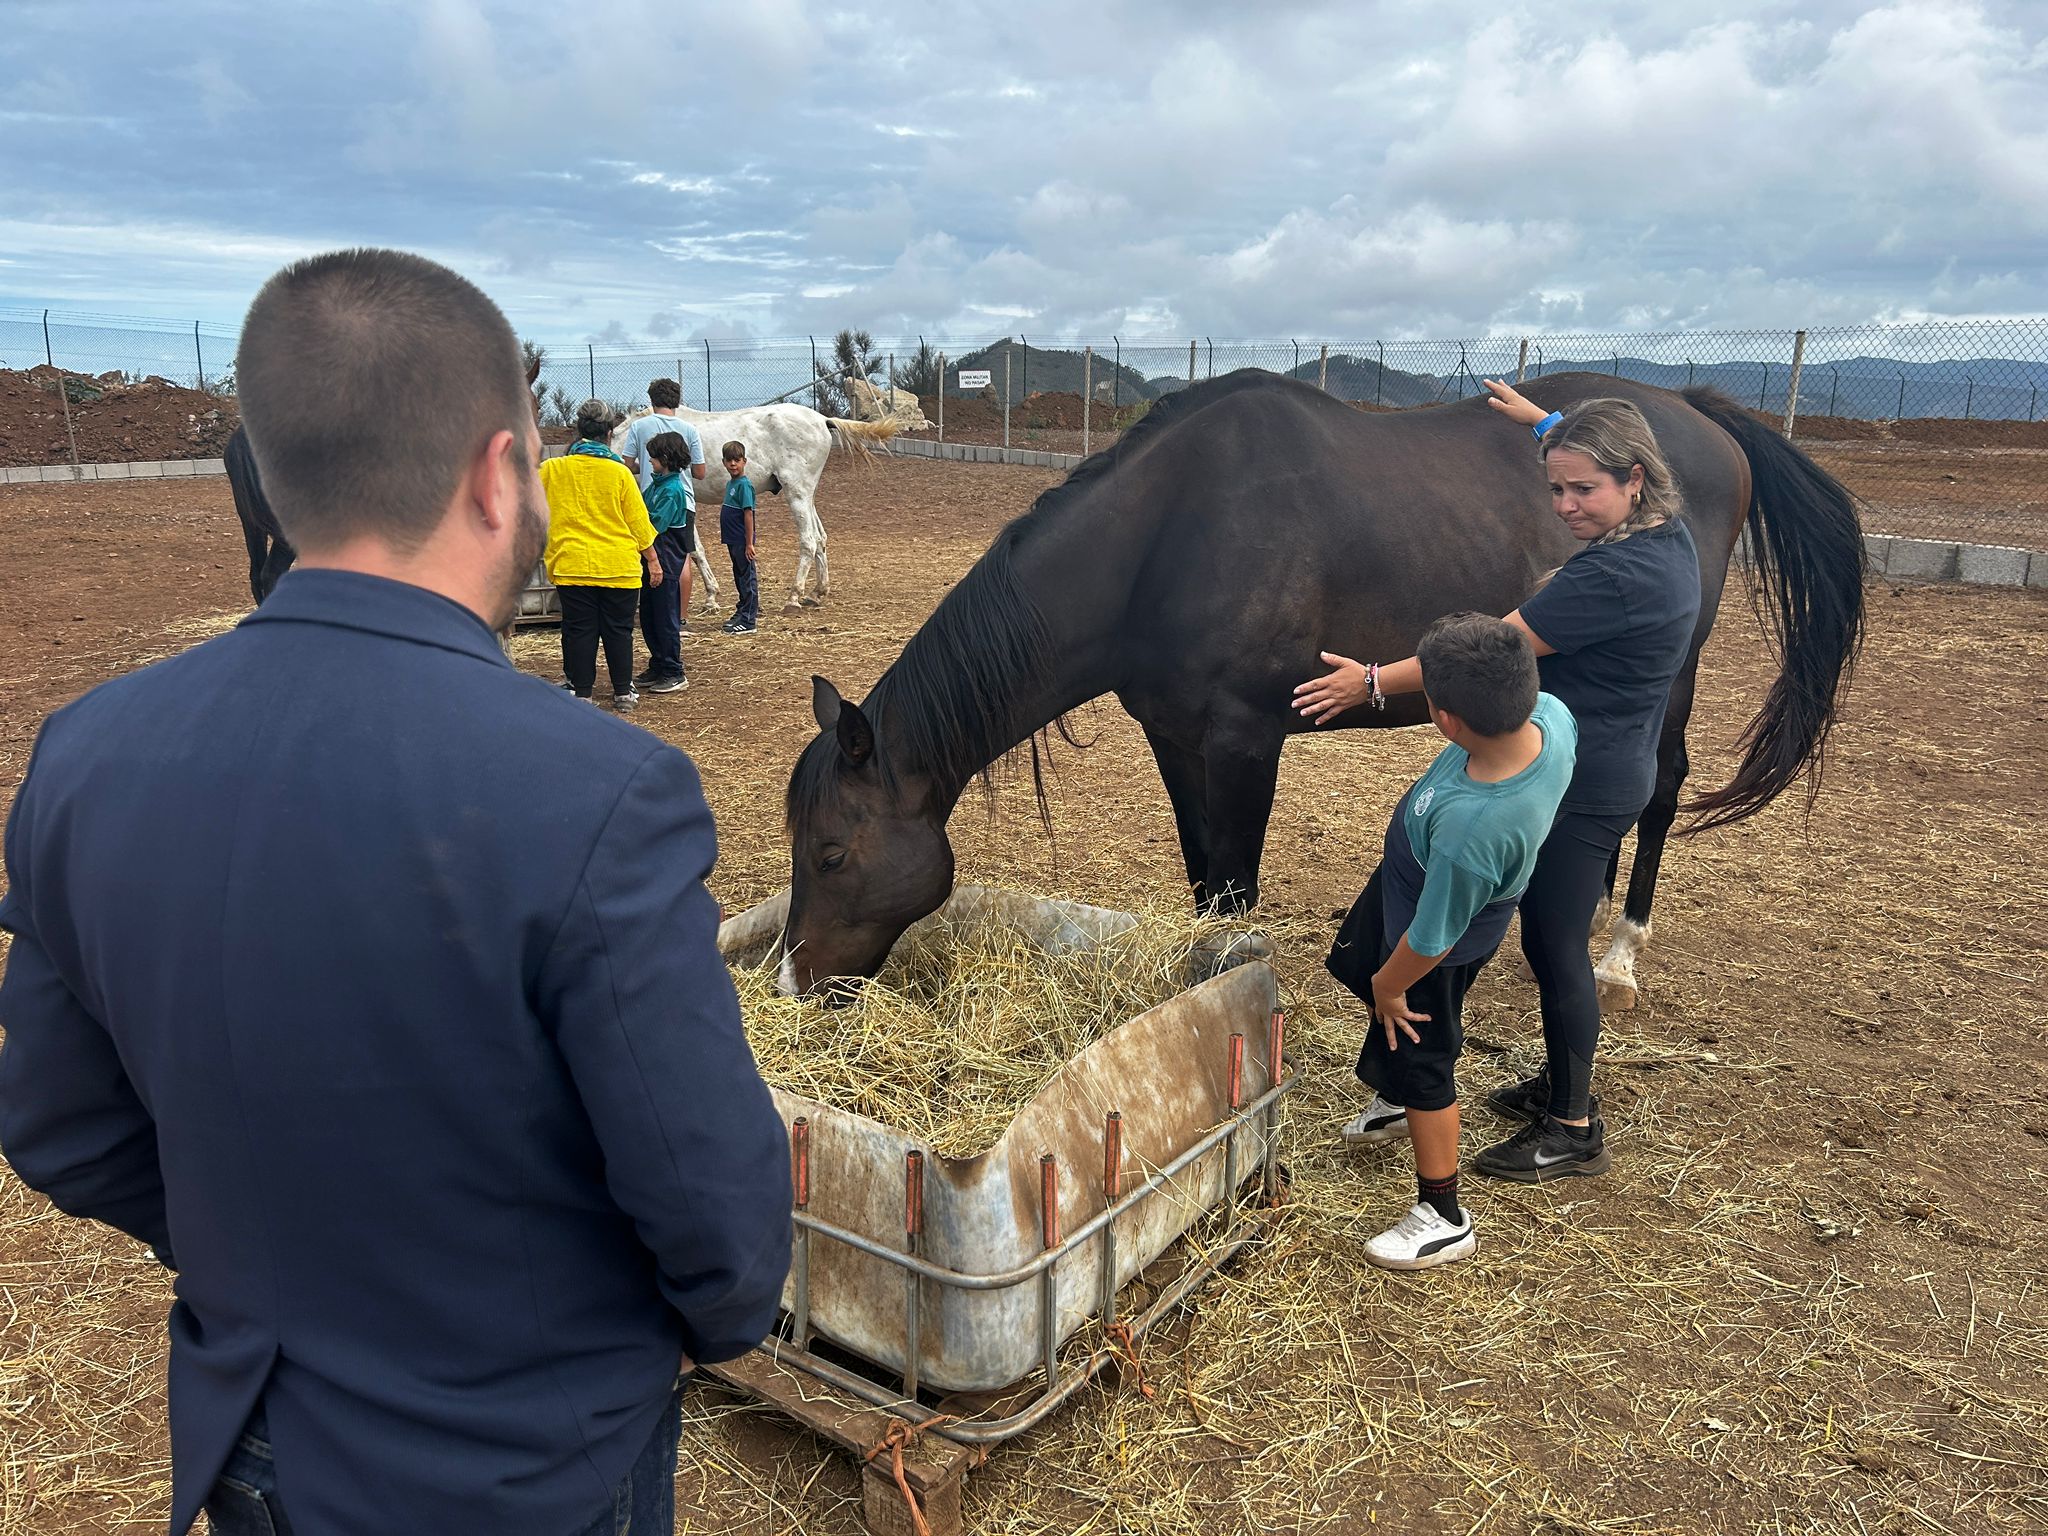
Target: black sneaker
x=739, y=629
x=1544, y=1150
x=675, y=683
x=642, y=679
x=1527, y=1100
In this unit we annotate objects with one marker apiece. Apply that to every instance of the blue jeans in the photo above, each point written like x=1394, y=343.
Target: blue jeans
x=746, y=586
x=244, y=1501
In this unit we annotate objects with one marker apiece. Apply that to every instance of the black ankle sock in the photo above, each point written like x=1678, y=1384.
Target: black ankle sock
x=1441, y=1193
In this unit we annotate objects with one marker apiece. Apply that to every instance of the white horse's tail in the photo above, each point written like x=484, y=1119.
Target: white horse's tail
x=860, y=436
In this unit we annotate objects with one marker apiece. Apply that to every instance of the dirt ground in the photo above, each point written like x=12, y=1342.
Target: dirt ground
x=1809, y=1298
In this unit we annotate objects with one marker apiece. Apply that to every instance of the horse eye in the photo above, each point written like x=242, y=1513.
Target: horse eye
x=832, y=860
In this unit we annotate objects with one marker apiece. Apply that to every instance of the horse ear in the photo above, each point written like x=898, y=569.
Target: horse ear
x=856, y=736
x=825, y=702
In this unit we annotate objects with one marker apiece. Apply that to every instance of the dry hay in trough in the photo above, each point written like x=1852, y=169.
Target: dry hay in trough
x=965, y=1023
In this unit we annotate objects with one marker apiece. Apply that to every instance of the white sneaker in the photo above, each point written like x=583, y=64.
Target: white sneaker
x=1379, y=1123
x=1422, y=1240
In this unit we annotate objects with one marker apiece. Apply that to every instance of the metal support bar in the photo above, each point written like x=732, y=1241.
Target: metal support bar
x=1792, y=389
x=800, y=1175
x=1276, y=1036
x=1048, y=1282
x=1112, y=1186
x=1236, y=1108
x=913, y=1289
x=1522, y=361
x=1087, y=396
x=1323, y=370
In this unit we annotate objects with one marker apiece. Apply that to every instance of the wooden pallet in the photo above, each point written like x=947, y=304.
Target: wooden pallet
x=934, y=1467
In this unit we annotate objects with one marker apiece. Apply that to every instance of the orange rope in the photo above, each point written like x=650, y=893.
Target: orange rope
x=899, y=1437
x=1122, y=1343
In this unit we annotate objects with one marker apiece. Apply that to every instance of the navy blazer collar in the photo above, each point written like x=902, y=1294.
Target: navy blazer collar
x=378, y=606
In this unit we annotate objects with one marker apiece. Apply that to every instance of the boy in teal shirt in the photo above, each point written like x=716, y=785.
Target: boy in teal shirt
x=736, y=532
x=671, y=508
x=1459, y=852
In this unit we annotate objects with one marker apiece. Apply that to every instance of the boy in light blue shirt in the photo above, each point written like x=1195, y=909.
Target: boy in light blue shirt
x=1458, y=854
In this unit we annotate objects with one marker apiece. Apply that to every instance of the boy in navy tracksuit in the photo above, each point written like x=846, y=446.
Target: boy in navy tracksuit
x=736, y=532
x=1458, y=855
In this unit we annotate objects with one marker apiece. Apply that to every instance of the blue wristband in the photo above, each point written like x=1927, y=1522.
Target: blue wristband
x=1546, y=424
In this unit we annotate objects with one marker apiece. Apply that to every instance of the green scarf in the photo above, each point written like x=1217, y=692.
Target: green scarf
x=591, y=448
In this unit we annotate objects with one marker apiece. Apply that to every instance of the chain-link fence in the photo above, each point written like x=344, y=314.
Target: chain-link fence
x=1938, y=426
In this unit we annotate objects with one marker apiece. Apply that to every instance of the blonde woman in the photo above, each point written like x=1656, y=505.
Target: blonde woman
x=1611, y=629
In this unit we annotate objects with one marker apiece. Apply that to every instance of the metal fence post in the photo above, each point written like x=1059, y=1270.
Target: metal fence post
x=1323, y=370
x=590, y=355
x=1116, y=379
x=1834, y=386
x=1212, y=356
x=63, y=394
x=1191, y=362
x=1024, y=382
x=679, y=378
x=2033, y=399
x=817, y=391
x=1295, y=372
x=199, y=357
x=1792, y=389
x=1969, y=395
x=1522, y=361
x=1688, y=373
x=1382, y=376
x=942, y=397
x=1764, y=387
x=1902, y=399
x=1087, y=396
x=1007, y=351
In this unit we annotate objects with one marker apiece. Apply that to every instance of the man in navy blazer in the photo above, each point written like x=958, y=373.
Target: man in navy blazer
x=375, y=986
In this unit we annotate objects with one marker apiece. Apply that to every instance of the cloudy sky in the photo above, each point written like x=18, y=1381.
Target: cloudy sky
x=655, y=170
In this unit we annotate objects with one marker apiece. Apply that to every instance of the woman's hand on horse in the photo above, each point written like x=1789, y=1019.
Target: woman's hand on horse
x=1509, y=402
x=1323, y=698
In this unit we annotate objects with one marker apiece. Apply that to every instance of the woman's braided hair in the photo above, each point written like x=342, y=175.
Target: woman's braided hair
x=1616, y=437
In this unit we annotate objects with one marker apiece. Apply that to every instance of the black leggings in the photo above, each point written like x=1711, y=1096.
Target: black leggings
x=1557, y=918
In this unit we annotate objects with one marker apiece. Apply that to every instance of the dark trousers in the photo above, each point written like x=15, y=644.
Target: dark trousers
x=591, y=615
x=747, y=608
x=1557, y=914
x=661, y=608
x=244, y=1502
x=1420, y=1074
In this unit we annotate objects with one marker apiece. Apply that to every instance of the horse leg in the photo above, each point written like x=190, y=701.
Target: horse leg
x=704, y=574
x=1240, y=771
x=810, y=550
x=1181, y=771
x=1632, y=931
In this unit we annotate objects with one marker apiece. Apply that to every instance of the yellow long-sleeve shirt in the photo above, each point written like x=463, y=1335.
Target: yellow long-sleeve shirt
x=597, y=523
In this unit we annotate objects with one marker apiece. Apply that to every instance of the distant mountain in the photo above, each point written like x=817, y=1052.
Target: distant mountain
x=1048, y=370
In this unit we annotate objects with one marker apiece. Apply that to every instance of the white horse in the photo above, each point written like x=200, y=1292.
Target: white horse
x=787, y=446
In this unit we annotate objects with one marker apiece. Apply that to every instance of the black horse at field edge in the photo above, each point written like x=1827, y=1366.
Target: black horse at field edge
x=1196, y=569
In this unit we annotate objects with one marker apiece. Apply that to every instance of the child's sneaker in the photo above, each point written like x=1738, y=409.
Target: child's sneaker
x=738, y=629
x=1422, y=1240
x=1380, y=1122
x=625, y=703
x=668, y=683
x=1544, y=1150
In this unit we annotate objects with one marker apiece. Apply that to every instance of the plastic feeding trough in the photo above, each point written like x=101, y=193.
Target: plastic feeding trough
x=956, y=1280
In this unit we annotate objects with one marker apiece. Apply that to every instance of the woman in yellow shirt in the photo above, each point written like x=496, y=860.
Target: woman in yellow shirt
x=599, y=541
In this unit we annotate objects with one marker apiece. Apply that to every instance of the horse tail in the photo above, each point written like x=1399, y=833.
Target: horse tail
x=860, y=436
x=1805, y=575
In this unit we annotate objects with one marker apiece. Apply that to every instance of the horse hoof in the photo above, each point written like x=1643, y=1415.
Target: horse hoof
x=1615, y=996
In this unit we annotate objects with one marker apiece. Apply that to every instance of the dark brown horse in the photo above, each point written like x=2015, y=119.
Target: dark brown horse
x=1197, y=568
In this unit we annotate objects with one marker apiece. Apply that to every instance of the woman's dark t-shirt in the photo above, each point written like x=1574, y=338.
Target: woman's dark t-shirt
x=1620, y=617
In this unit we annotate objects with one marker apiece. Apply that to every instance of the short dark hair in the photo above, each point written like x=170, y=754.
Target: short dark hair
x=733, y=450
x=1481, y=669
x=595, y=420
x=666, y=394
x=367, y=380
x=668, y=448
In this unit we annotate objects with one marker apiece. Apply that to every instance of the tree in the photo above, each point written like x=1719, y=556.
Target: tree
x=853, y=352
x=921, y=374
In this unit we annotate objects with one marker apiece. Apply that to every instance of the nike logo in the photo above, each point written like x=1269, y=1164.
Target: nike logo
x=1562, y=1157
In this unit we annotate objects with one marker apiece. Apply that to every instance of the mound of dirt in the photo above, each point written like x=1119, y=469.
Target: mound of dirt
x=115, y=421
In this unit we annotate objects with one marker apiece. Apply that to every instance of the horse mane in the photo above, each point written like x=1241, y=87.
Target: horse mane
x=949, y=698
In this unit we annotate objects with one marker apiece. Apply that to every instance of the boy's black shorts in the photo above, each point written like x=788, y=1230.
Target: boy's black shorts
x=1421, y=1074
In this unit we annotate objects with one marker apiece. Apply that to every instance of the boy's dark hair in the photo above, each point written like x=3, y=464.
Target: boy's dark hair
x=595, y=420
x=668, y=450
x=666, y=394
x=733, y=450
x=1481, y=669
x=368, y=380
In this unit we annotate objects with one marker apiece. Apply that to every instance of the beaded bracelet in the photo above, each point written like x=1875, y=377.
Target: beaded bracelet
x=1372, y=683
